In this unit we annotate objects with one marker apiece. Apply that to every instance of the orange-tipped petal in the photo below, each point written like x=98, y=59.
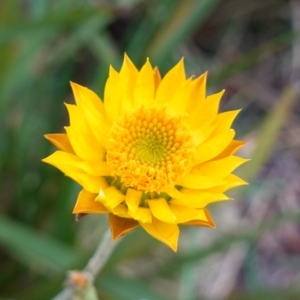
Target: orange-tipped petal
x=220, y=137
x=231, y=149
x=185, y=214
x=121, y=226
x=86, y=204
x=213, y=147
x=199, y=222
x=61, y=141
x=157, y=78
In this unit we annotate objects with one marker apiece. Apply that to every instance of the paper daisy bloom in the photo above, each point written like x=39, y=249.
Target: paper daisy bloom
x=154, y=153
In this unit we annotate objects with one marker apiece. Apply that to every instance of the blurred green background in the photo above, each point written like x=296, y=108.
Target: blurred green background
x=250, y=48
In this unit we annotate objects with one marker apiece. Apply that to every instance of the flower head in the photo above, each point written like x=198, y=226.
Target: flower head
x=155, y=153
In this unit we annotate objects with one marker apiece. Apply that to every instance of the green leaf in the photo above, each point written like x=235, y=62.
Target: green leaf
x=35, y=249
x=188, y=16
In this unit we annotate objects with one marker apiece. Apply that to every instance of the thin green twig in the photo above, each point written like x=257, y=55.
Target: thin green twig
x=95, y=264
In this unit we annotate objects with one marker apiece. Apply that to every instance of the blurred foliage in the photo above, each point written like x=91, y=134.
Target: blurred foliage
x=249, y=48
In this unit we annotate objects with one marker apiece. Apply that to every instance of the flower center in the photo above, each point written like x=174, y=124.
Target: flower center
x=150, y=150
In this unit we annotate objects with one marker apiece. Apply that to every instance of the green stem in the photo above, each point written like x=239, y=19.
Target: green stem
x=93, y=267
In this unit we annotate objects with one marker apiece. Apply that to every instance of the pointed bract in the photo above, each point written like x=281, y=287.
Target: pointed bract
x=120, y=226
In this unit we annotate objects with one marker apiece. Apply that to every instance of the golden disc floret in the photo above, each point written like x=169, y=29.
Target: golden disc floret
x=149, y=149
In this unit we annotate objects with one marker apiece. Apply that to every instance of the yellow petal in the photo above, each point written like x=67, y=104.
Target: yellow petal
x=173, y=192
x=144, y=88
x=128, y=68
x=86, y=204
x=166, y=233
x=161, y=210
x=121, y=226
x=232, y=148
x=194, y=181
x=99, y=169
x=113, y=95
x=213, y=147
x=198, y=95
x=231, y=181
x=93, y=110
x=61, y=141
x=82, y=138
x=142, y=214
x=111, y=197
x=121, y=211
x=211, y=173
x=224, y=122
x=57, y=159
x=218, y=129
x=211, y=105
x=201, y=134
x=89, y=182
x=185, y=214
x=179, y=101
x=198, y=222
x=132, y=199
x=157, y=78
x=128, y=76
x=166, y=89
x=206, y=114
x=66, y=162
x=197, y=198
x=218, y=169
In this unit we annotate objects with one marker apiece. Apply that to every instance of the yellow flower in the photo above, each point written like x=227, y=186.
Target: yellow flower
x=155, y=153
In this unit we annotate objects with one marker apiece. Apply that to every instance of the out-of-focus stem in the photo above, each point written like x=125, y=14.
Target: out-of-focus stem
x=101, y=255
x=295, y=21
x=95, y=264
